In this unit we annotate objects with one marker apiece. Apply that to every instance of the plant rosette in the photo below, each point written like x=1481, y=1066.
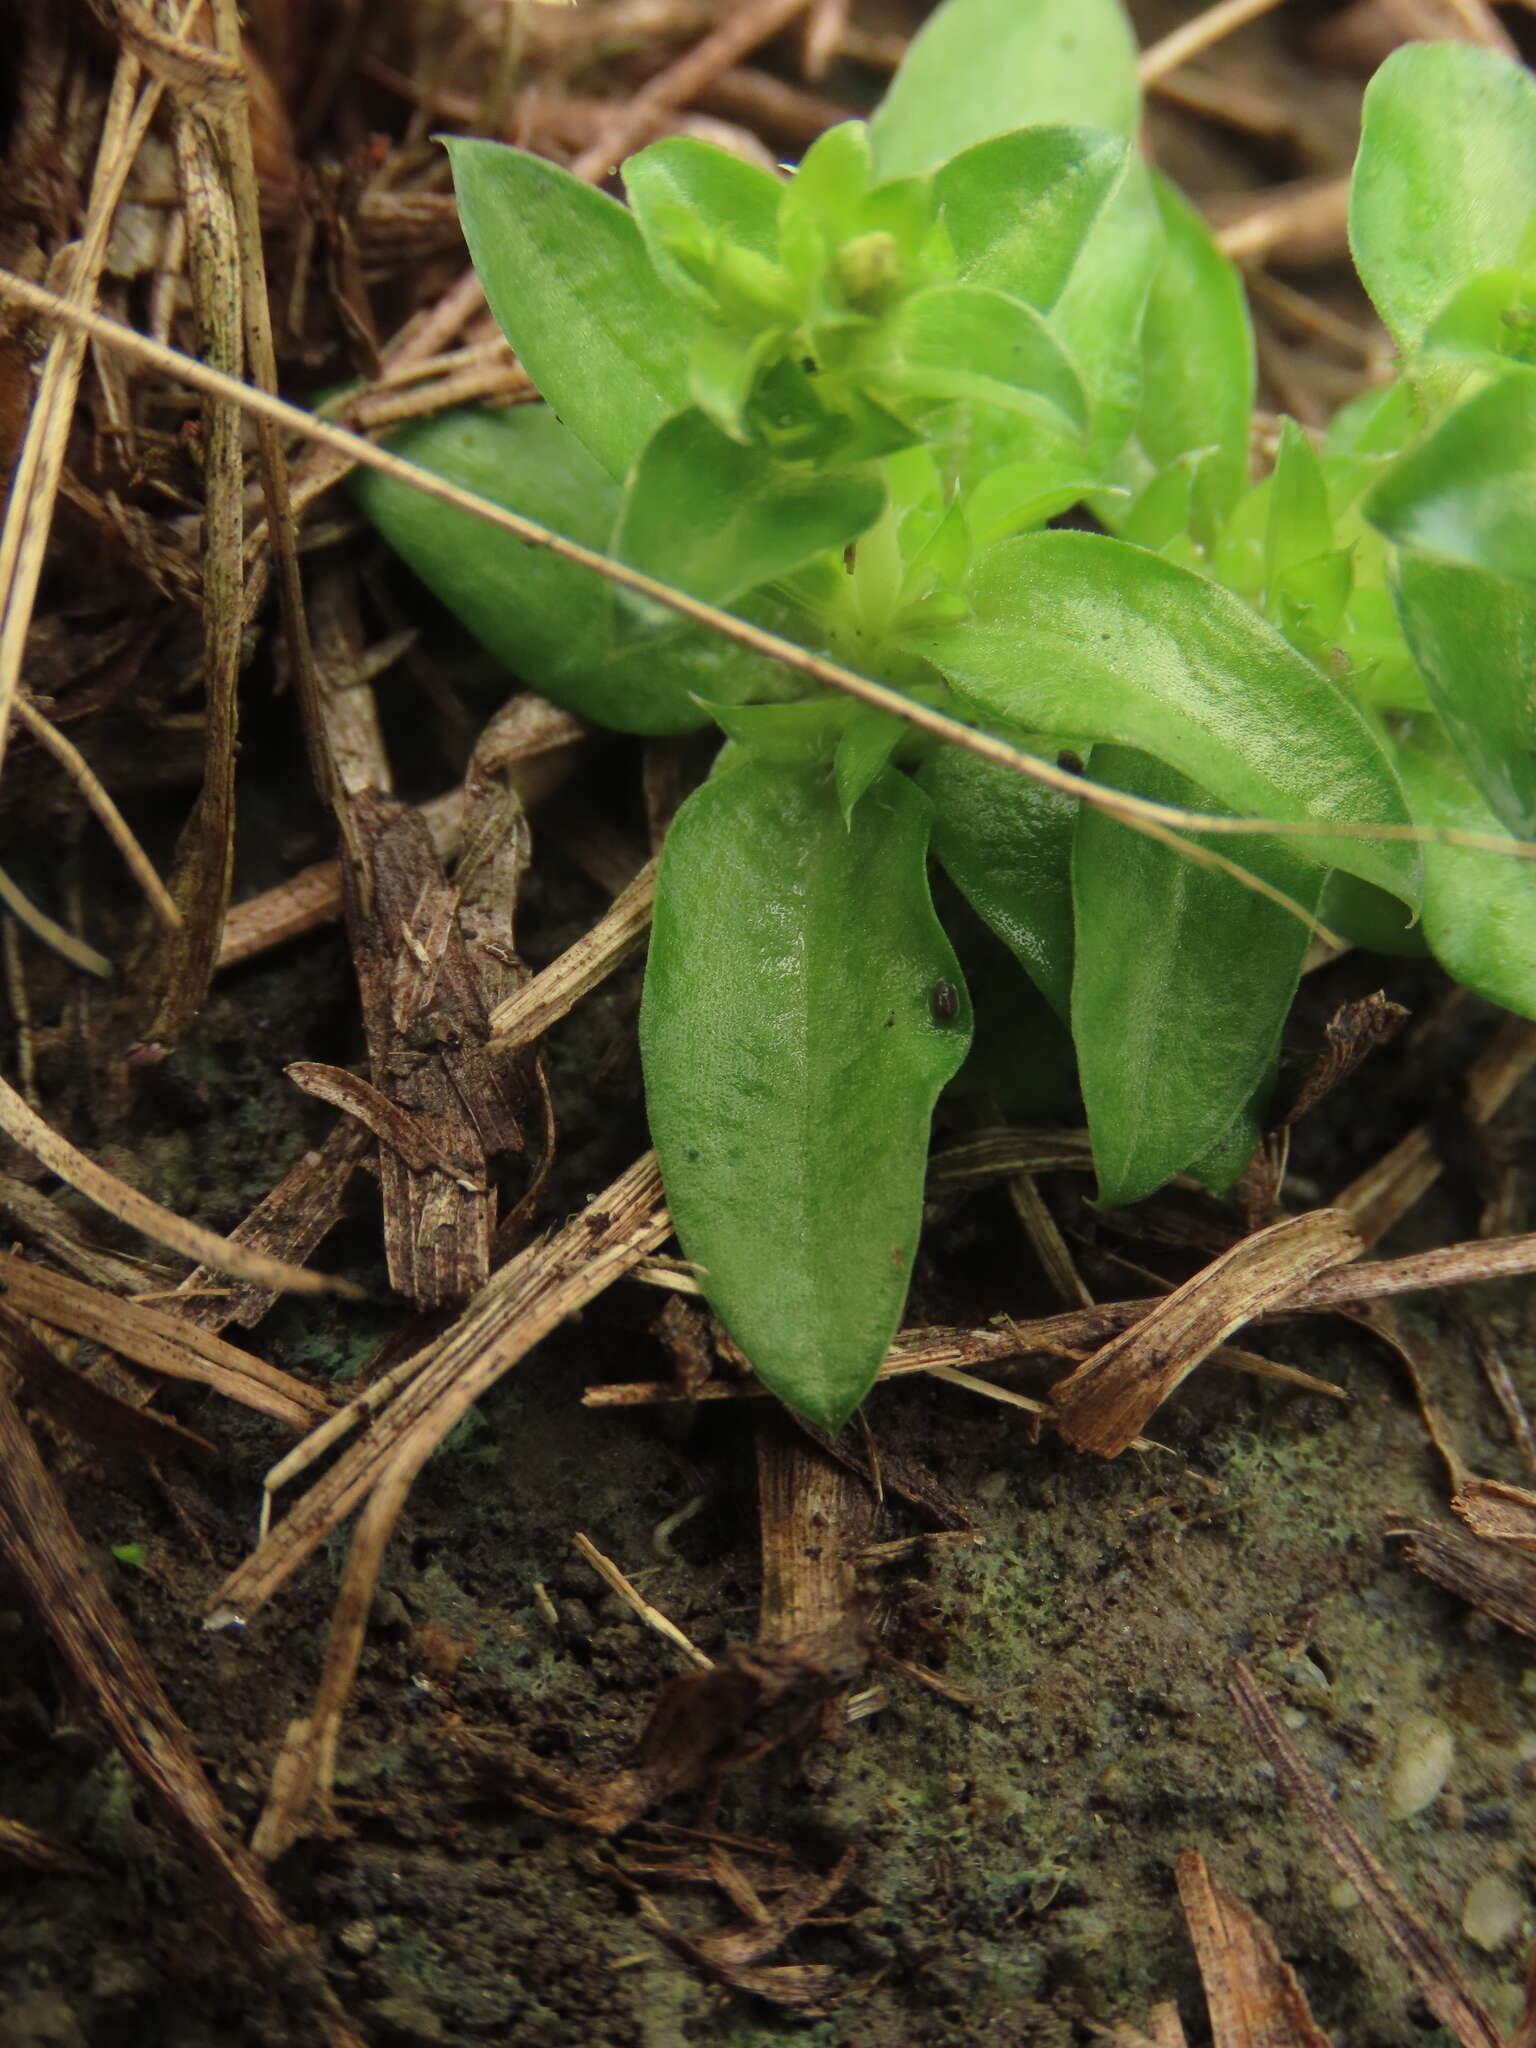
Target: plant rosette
x=848, y=404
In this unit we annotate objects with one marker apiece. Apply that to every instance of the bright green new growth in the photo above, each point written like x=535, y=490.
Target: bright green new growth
x=848, y=404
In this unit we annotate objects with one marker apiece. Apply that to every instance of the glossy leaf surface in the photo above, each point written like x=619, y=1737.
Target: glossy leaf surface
x=961, y=341
x=1073, y=633
x=567, y=274
x=1473, y=638
x=550, y=622
x=1197, y=375
x=1018, y=208
x=1444, y=186
x=978, y=68
x=688, y=197
x=1300, y=527
x=1099, y=314
x=1182, y=981
x=802, y=1011
x=1479, y=908
x=1468, y=493
x=716, y=517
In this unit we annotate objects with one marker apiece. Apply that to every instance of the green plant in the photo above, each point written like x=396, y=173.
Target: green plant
x=848, y=405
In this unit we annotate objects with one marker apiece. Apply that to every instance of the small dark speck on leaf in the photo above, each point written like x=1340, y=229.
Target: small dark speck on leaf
x=889, y=1022
x=944, y=1002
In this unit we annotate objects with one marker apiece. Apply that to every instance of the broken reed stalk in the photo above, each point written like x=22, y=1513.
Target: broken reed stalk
x=624, y=1588
x=313, y=896
x=814, y=1515
x=1103, y=1404
x=552, y=994
x=179, y=970
x=519, y=1305
x=1382, y=1195
x=1253, y=1995
x=170, y=1345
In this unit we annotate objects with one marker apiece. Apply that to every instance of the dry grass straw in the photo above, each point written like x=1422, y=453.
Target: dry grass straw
x=53, y=1564
x=1424, y=1957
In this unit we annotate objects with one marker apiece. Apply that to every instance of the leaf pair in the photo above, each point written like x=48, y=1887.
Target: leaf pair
x=1176, y=977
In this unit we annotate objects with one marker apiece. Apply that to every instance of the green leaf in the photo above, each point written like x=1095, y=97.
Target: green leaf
x=716, y=518
x=722, y=369
x=804, y=732
x=1445, y=183
x=823, y=203
x=1161, y=513
x=1101, y=309
x=981, y=67
x=1222, y=1163
x=690, y=195
x=960, y=341
x=1479, y=908
x=1468, y=493
x=1375, y=426
x=1369, y=917
x=1182, y=982
x=802, y=1011
x=1073, y=633
x=1300, y=526
x=1307, y=601
x=1487, y=323
x=567, y=274
x=1473, y=637
x=1019, y=208
x=1197, y=364
x=1023, y=494
x=1006, y=843
x=548, y=621
x=864, y=751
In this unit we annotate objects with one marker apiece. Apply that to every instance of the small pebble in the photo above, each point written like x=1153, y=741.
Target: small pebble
x=359, y=1937
x=1421, y=1763
x=1492, y=1912
x=1302, y=1671
x=1343, y=1898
